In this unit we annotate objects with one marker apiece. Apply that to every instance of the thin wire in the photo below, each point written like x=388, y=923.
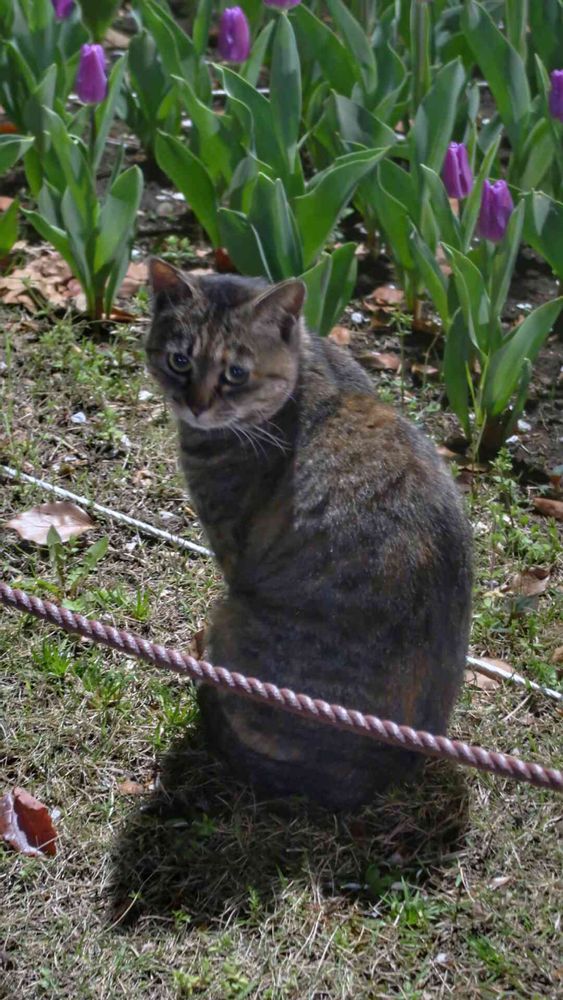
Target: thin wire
x=115, y=515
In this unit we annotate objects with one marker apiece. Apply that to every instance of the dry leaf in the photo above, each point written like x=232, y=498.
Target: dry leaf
x=530, y=583
x=551, y=508
x=5, y=202
x=116, y=39
x=223, y=261
x=26, y=825
x=446, y=453
x=47, y=276
x=340, y=335
x=481, y=681
x=425, y=371
x=557, y=655
x=381, y=361
x=387, y=295
x=128, y=787
x=68, y=520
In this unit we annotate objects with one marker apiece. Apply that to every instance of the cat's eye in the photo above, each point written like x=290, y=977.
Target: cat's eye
x=179, y=362
x=236, y=375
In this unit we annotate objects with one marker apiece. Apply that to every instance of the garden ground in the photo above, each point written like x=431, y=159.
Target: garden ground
x=170, y=880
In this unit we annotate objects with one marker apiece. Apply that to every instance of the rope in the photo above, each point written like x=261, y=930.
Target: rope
x=288, y=701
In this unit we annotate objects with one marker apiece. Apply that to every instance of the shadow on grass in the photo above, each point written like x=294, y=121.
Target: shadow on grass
x=203, y=845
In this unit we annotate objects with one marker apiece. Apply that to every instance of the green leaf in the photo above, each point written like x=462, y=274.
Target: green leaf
x=11, y=148
x=252, y=68
x=319, y=44
x=457, y=354
x=316, y=279
x=215, y=143
x=192, y=179
x=358, y=44
x=53, y=235
x=118, y=216
x=504, y=261
x=431, y=274
x=9, y=228
x=271, y=217
x=340, y=286
x=318, y=211
x=543, y=228
x=473, y=297
x=243, y=243
x=266, y=139
x=448, y=223
x=536, y=156
x=105, y=112
x=285, y=90
x=435, y=118
x=201, y=26
x=356, y=124
x=502, y=68
x=524, y=343
x=395, y=205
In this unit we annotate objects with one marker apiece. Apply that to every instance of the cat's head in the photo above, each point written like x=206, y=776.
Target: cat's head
x=225, y=350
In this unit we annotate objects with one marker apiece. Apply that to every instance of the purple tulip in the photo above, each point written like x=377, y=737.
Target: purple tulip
x=91, y=79
x=282, y=4
x=556, y=94
x=62, y=8
x=496, y=208
x=234, y=35
x=456, y=172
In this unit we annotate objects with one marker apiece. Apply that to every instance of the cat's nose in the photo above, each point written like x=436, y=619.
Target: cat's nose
x=198, y=408
x=198, y=402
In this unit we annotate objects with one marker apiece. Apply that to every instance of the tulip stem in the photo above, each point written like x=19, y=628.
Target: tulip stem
x=93, y=136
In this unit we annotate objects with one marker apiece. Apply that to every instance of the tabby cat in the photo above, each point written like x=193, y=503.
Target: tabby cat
x=340, y=533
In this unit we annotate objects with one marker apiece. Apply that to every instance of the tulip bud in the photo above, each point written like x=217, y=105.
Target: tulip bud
x=456, y=172
x=556, y=94
x=91, y=79
x=282, y=4
x=234, y=35
x=496, y=208
x=62, y=8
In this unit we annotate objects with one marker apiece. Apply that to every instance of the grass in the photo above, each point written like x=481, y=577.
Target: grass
x=191, y=888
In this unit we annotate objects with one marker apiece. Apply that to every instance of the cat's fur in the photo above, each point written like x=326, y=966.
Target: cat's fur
x=340, y=533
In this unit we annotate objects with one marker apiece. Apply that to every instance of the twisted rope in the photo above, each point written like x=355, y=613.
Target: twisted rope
x=288, y=701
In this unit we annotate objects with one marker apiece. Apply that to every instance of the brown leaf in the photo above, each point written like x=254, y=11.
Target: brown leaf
x=134, y=279
x=551, y=508
x=387, y=295
x=223, y=261
x=530, y=583
x=381, y=361
x=425, y=371
x=26, y=825
x=116, y=39
x=5, y=202
x=68, y=520
x=340, y=335
x=557, y=655
x=128, y=787
x=481, y=681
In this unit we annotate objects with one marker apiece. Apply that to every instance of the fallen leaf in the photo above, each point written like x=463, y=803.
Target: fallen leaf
x=34, y=525
x=5, y=202
x=8, y=128
x=530, y=583
x=223, y=261
x=381, y=361
x=340, y=335
x=387, y=295
x=128, y=787
x=551, y=508
x=446, y=453
x=426, y=371
x=557, y=656
x=481, y=681
x=26, y=825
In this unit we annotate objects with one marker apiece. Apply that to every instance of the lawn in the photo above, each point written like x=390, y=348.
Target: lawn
x=172, y=881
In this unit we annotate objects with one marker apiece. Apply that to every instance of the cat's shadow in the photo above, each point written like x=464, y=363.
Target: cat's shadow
x=201, y=847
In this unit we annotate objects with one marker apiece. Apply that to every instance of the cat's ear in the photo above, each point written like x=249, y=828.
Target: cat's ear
x=287, y=297
x=168, y=280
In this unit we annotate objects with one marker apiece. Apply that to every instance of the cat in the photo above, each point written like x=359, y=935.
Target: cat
x=341, y=535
